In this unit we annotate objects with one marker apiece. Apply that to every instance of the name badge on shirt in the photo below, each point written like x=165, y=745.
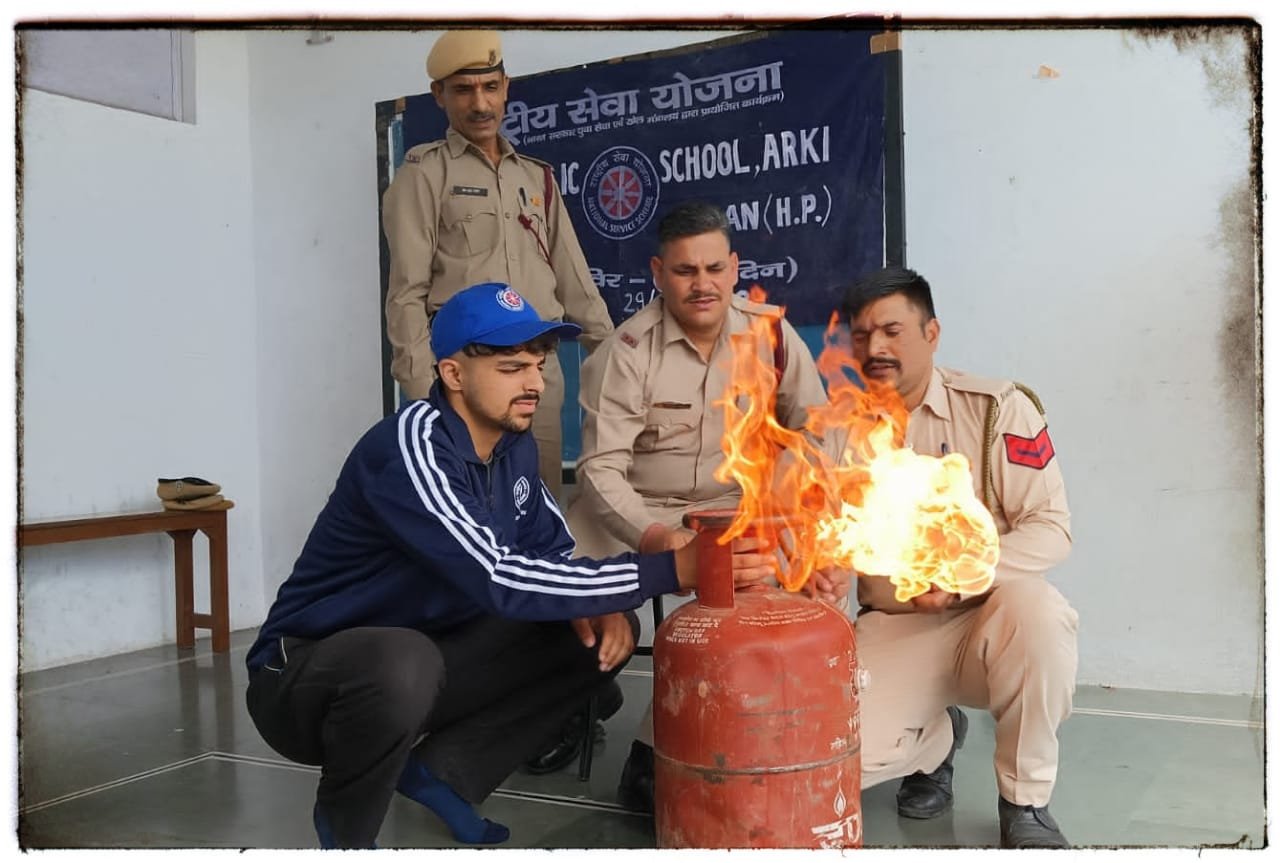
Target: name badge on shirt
x=472, y=191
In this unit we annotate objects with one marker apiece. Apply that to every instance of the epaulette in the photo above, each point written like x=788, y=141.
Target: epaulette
x=416, y=153
x=630, y=330
x=970, y=383
x=539, y=162
x=753, y=308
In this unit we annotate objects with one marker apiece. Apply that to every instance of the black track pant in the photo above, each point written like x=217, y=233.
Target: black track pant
x=488, y=695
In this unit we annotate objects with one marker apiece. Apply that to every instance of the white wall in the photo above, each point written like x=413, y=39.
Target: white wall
x=140, y=352
x=1088, y=235
x=1077, y=230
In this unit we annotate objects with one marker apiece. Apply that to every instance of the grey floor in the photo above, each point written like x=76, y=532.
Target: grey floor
x=154, y=749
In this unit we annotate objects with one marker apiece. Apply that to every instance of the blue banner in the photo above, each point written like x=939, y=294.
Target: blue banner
x=785, y=130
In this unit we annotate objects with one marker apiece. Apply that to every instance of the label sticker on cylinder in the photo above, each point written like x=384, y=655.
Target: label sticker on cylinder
x=783, y=616
x=691, y=630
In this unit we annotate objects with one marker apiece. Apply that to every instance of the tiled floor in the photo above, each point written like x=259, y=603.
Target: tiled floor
x=154, y=749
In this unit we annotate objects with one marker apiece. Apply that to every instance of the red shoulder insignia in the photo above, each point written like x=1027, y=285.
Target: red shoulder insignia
x=1034, y=452
x=629, y=340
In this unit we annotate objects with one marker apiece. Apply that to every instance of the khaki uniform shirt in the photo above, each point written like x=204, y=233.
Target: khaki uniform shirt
x=651, y=433
x=1031, y=512
x=452, y=220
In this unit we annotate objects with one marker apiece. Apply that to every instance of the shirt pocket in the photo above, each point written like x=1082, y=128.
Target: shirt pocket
x=470, y=225
x=669, y=429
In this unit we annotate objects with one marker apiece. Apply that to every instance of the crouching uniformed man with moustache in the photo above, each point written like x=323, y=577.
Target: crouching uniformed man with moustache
x=1010, y=651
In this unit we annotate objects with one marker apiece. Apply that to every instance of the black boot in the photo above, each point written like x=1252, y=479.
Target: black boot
x=928, y=795
x=635, y=788
x=564, y=749
x=1028, y=827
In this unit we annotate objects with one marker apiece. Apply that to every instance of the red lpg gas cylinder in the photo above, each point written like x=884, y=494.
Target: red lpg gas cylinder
x=755, y=715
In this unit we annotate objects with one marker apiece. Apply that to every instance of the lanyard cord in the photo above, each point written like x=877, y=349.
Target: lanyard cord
x=527, y=223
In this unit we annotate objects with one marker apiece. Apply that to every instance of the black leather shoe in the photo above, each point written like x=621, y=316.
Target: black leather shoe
x=928, y=795
x=1028, y=827
x=565, y=749
x=635, y=788
x=562, y=752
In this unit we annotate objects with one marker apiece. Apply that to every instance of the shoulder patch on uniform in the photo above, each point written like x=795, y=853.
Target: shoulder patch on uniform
x=628, y=340
x=537, y=162
x=1033, y=452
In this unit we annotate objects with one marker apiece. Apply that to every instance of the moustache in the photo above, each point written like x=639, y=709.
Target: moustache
x=881, y=364
x=534, y=398
x=479, y=118
x=693, y=298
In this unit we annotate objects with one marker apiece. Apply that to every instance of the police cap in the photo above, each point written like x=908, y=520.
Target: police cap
x=471, y=52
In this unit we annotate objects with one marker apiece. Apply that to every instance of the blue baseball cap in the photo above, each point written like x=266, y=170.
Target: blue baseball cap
x=491, y=313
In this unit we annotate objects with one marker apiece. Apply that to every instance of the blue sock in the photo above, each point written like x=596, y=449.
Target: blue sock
x=324, y=831
x=418, y=783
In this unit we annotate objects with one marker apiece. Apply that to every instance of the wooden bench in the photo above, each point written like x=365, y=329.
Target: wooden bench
x=181, y=525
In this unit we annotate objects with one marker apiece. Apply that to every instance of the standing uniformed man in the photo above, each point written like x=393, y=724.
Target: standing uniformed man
x=1012, y=650
x=651, y=431
x=469, y=209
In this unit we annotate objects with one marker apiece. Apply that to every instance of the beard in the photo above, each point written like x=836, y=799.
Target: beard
x=508, y=420
x=511, y=423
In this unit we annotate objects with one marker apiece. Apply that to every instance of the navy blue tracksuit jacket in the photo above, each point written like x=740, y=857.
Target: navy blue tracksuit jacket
x=420, y=533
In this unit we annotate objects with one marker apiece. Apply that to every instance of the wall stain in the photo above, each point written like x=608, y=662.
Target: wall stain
x=1231, y=58
x=1239, y=337
x=1230, y=83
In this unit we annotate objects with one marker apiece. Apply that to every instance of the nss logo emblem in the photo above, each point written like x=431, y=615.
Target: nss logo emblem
x=620, y=193
x=510, y=300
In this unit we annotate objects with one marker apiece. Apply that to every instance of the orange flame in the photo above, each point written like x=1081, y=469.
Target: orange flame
x=878, y=507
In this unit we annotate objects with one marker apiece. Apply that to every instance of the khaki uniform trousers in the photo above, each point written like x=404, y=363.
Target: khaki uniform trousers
x=1014, y=655
x=593, y=540
x=547, y=430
